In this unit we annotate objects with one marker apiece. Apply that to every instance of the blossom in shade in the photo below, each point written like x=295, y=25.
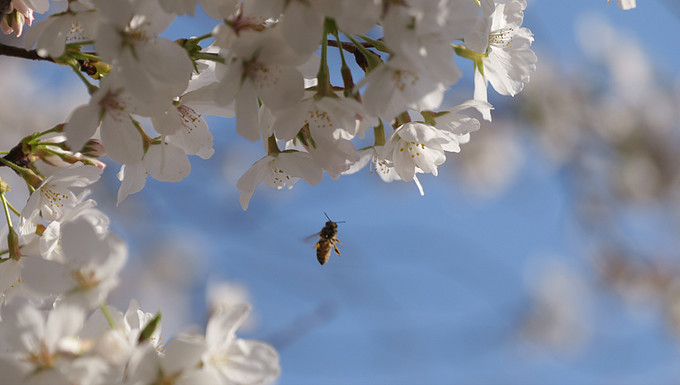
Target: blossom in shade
x=277, y=171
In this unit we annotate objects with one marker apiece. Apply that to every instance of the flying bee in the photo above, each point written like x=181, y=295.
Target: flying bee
x=327, y=239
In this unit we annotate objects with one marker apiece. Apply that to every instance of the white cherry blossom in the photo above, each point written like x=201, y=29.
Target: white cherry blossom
x=111, y=107
x=508, y=60
x=128, y=41
x=117, y=344
x=193, y=135
x=163, y=161
x=423, y=31
x=262, y=69
x=327, y=126
x=50, y=36
x=415, y=146
x=397, y=85
x=42, y=348
x=88, y=270
x=50, y=240
x=277, y=171
x=235, y=360
x=55, y=197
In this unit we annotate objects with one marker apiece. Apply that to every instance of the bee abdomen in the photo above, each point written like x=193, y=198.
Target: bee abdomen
x=323, y=251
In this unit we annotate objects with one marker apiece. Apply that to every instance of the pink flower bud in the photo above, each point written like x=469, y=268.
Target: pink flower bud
x=20, y=14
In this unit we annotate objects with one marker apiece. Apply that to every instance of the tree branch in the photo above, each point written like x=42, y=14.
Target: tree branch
x=8, y=50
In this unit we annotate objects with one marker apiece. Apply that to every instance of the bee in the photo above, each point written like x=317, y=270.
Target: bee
x=327, y=239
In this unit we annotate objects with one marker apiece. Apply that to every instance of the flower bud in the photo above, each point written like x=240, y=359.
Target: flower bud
x=31, y=178
x=15, y=20
x=13, y=244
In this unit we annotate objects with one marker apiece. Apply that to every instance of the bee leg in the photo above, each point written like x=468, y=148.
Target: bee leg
x=336, y=249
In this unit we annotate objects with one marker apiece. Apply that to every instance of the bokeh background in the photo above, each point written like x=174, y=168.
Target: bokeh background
x=546, y=252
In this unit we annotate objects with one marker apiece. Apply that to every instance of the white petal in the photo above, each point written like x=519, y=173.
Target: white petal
x=223, y=324
x=133, y=177
x=193, y=137
x=10, y=273
x=247, y=113
x=119, y=12
x=121, y=139
x=252, y=362
x=248, y=181
x=182, y=354
x=166, y=162
x=80, y=242
x=480, y=93
x=300, y=165
x=23, y=324
x=282, y=87
x=53, y=40
x=64, y=321
x=82, y=125
x=45, y=278
x=176, y=67
x=302, y=27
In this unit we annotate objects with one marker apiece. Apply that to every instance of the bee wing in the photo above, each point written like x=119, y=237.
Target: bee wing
x=311, y=238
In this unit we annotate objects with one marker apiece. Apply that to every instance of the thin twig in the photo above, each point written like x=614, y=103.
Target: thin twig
x=8, y=50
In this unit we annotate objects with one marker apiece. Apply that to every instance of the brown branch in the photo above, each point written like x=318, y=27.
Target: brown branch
x=8, y=50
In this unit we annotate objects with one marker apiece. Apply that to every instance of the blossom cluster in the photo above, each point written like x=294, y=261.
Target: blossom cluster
x=268, y=64
x=55, y=325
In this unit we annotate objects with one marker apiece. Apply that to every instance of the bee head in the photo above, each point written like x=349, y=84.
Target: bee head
x=331, y=223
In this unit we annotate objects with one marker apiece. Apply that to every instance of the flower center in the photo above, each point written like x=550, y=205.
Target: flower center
x=85, y=279
x=403, y=78
x=43, y=359
x=114, y=106
x=501, y=38
x=319, y=119
x=53, y=199
x=264, y=76
x=412, y=147
x=380, y=166
x=189, y=117
x=135, y=31
x=279, y=177
x=77, y=33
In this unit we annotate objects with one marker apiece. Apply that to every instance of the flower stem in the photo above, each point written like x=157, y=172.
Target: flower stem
x=91, y=88
x=107, y=314
x=347, y=80
x=379, y=134
x=376, y=43
x=323, y=76
x=58, y=128
x=12, y=165
x=371, y=59
x=14, y=210
x=31, y=179
x=12, y=238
